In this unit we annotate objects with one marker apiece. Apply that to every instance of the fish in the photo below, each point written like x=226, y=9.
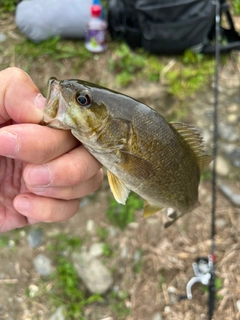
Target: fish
x=160, y=161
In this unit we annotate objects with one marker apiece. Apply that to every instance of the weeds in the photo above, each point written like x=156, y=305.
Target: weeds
x=130, y=65
x=4, y=240
x=236, y=6
x=53, y=48
x=8, y=5
x=66, y=288
x=190, y=73
x=102, y=233
x=118, y=305
x=121, y=215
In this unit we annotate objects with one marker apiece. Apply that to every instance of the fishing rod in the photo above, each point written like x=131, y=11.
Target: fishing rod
x=204, y=267
x=212, y=289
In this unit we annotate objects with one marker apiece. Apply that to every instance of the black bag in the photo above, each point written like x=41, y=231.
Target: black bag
x=170, y=26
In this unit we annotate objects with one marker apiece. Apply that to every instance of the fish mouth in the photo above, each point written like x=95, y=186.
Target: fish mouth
x=55, y=106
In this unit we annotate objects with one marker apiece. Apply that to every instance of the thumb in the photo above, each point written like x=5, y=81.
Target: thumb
x=20, y=99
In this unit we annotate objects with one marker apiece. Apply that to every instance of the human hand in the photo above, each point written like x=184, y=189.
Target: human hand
x=43, y=171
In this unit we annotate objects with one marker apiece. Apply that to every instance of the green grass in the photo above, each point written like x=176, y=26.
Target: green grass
x=102, y=233
x=188, y=73
x=4, y=239
x=236, y=6
x=130, y=65
x=67, y=289
x=121, y=215
x=54, y=49
x=7, y=5
x=118, y=305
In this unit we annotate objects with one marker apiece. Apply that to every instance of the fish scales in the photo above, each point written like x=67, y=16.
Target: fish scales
x=144, y=153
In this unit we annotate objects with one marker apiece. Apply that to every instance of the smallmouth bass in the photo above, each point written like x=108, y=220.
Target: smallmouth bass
x=142, y=152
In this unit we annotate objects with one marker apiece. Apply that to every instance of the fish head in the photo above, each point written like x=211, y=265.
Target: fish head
x=71, y=105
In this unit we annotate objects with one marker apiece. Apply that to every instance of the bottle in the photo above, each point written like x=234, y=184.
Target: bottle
x=95, y=35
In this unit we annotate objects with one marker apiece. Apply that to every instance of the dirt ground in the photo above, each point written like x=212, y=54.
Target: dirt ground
x=167, y=253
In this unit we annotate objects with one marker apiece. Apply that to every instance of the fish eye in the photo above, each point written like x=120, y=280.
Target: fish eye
x=83, y=99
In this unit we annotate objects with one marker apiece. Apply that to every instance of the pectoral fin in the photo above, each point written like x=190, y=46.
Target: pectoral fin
x=136, y=166
x=150, y=209
x=118, y=188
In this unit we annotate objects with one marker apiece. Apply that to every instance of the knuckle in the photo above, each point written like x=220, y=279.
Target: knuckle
x=77, y=171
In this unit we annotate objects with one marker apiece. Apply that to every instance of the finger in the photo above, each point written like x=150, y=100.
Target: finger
x=68, y=170
x=72, y=192
x=20, y=99
x=34, y=143
x=45, y=209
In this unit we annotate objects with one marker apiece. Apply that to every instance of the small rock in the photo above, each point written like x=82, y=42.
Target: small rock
x=59, y=314
x=220, y=223
x=96, y=250
x=33, y=289
x=238, y=305
x=11, y=244
x=222, y=166
x=124, y=252
x=157, y=316
x=22, y=233
x=84, y=202
x=137, y=255
x=133, y=225
x=229, y=191
x=115, y=288
x=35, y=237
x=167, y=309
x=228, y=147
x=172, y=291
x=228, y=132
x=232, y=118
x=94, y=274
x=234, y=157
x=43, y=265
x=90, y=226
x=233, y=108
x=112, y=231
x=3, y=37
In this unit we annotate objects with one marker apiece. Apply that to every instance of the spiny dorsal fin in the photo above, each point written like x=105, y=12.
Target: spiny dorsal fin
x=195, y=141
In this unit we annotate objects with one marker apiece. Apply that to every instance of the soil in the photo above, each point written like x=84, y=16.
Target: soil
x=168, y=254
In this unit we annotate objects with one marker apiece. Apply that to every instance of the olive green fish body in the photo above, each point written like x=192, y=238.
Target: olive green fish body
x=144, y=153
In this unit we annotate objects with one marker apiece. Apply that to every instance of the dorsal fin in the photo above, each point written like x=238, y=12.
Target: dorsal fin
x=195, y=141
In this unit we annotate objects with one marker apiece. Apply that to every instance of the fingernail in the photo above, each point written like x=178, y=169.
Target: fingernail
x=38, y=176
x=9, y=145
x=40, y=101
x=22, y=204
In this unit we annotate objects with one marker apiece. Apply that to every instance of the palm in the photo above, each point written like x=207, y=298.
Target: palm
x=11, y=184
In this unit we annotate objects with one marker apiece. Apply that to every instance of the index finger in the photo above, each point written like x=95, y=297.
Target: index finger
x=20, y=99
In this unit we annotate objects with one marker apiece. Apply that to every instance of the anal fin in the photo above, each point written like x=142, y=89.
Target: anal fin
x=150, y=209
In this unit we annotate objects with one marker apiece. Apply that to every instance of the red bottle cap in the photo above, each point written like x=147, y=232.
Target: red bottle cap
x=96, y=10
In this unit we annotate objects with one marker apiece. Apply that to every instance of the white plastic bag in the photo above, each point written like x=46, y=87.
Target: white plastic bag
x=39, y=20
